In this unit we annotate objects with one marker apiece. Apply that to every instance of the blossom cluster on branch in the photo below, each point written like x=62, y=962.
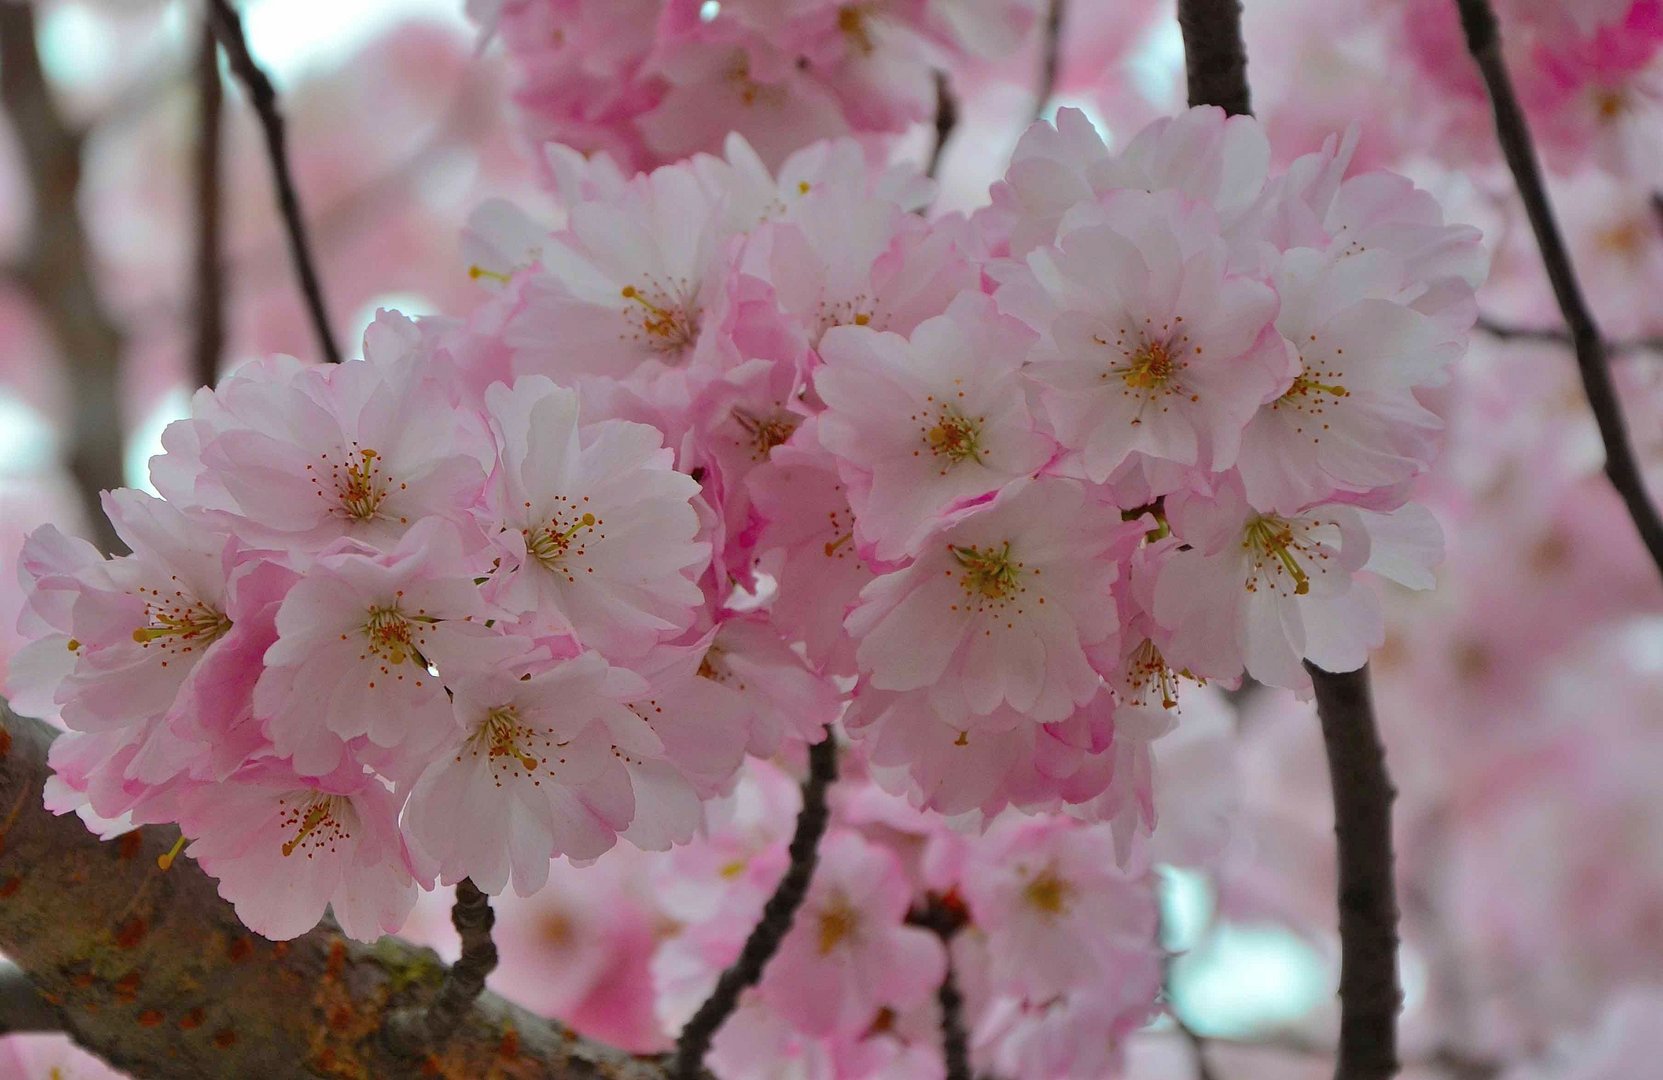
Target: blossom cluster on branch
x=745, y=448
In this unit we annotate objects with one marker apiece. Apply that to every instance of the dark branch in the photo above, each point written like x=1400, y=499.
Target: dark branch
x=1592, y=356
x=1050, y=56
x=152, y=971
x=473, y=918
x=1363, y=794
x=22, y=1008
x=57, y=268
x=1554, y=335
x=777, y=915
x=210, y=289
x=945, y=916
x=1216, y=62
x=946, y=119
x=1216, y=56
x=263, y=96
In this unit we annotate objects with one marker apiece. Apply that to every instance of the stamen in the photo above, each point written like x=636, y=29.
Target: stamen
x=1272, y=536
x=987, y=573
x=166, y=861
x=1049, y=894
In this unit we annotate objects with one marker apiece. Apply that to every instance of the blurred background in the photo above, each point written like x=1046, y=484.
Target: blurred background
x=1522, y=701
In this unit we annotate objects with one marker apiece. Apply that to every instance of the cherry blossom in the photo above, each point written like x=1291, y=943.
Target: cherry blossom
x=924, y=425
x=1001, y=604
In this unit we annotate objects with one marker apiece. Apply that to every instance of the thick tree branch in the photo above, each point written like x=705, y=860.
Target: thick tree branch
x=777, y=915
x=150, y=969
x=1363, y=794
x=209, y=283
x=1592, y=358
x=57, y=269
x=946, y=119
x=263, y=96
x=464, y=982
x=1215, y=55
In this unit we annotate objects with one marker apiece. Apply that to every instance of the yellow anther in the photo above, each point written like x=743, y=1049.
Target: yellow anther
x=166, y=861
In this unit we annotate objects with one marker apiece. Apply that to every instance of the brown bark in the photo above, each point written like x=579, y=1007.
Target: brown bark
x=150, y=969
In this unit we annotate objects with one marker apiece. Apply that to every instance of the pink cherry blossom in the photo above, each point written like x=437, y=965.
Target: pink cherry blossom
x=283, y=847
x=296, y=458
x=591, y=529
x=537, y=771
x=365, y=645
x=849, y=953
x=1279, y=588
x=1151, y=346
x=922, y=426
x=1001, y=605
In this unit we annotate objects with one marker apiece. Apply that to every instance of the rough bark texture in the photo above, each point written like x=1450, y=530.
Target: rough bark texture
x=1363, y=794
x=150, y=969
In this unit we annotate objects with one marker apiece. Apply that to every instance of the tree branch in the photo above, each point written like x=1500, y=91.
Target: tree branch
x=464, y=982
x=945, y=917
x=946, y=119
x=1050, y=63
x=22, y=1008
x=1216, y=56
x=210, y=288
x=1216, y=63
x=1363, y=794
x=1554, y=335
x=777, y=915
x=57, y=269
x=150, y=969
x=263, y=96
x=1478, y=20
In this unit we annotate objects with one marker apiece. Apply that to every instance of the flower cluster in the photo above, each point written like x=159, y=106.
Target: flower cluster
x=652, y=81
x=736, y=453
x=1054, y=948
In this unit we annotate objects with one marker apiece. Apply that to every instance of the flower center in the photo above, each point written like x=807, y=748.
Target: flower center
x=504, y=738
x=1147, y=675
x=851, y=20
x=1048, y=894
x=765, y=434
x=1274, y=544
x=360, y=485
x=1150, y=368
x=989, y=573
x=390, y=635
x=180, y=625
x=838, y=922
x=953, y=436
x=553, y=542
x=319, y=821
x=669, y=326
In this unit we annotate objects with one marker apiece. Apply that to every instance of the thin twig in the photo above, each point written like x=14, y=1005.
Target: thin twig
x=777, y=915
x=22, y=1009
x=1554, y=335
x=411, y=1033
x=946, y=119
x=210, y=288
x=1363, y=794
x=1050, y=62
x=1216, y=56
x=1592, y=358
x=263, y=96
x=57, y=269
x=945, y=916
